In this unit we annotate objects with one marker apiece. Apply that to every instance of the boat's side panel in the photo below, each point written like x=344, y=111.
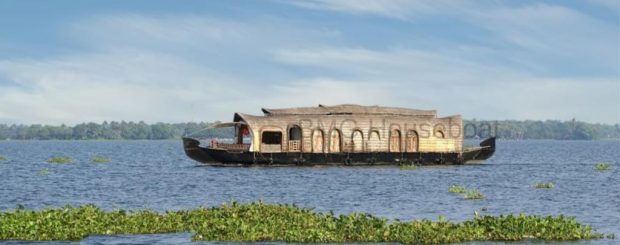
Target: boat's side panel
x=224, y=157
x=376, y=158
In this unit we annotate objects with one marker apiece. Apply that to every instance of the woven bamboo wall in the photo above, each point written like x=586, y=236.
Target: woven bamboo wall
x=372, y=132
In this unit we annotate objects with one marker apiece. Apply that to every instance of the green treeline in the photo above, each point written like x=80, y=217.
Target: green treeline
x=550, y=129
x=95, y=131
x=507, y=129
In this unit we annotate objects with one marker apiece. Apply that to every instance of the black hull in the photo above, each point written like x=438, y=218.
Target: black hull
x=230, y=158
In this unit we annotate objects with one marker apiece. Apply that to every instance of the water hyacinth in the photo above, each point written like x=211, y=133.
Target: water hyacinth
x=256, y=222
x=602, y=167
x=3, y=158
x=101, y=159
x=473, y=194
x=59, y=160
x=457, y=189
x=543, y=185
x=467, y=194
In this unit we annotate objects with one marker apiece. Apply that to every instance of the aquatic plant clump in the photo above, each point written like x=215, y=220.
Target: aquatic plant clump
x=101, y=159
x=59, y=160
x=3, y=158
x=473, y=194
x=602, y=167
x=543, y=185
x=457, y=189
x=287, y=223
x=467, y=194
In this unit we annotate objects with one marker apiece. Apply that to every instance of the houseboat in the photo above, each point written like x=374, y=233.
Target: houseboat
x=339, y=135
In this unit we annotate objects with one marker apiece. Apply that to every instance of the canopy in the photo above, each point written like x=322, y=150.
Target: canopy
x=228, y=124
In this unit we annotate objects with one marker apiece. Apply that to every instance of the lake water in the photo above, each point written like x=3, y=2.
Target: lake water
x=158, y=175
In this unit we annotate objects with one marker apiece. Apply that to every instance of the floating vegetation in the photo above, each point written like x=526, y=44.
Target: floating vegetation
x=543, y=185
x=467, y=194
x=602, y=166
x=101, y=159
x=59, y=160
x=473, y=194
x=408, y=167
x=44, y=171
x=286, y=223
x=3, y=158
x=457, y=189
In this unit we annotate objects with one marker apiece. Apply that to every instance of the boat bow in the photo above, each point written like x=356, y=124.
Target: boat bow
x=485, y=151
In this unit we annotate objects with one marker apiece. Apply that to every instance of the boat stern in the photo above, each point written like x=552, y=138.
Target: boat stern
x=194, y=151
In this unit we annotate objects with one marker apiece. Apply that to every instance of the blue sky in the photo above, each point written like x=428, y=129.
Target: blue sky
x=175, y=61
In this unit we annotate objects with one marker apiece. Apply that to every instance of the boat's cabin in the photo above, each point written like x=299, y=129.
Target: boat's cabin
x=345, y=128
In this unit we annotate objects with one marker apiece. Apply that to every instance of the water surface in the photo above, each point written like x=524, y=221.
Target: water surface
x=157, y=175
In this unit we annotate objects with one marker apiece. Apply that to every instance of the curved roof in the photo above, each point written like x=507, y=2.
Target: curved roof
x=248, y=119
x=349, y=109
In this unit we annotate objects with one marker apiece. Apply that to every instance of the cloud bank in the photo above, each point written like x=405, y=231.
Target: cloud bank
x=531, y=61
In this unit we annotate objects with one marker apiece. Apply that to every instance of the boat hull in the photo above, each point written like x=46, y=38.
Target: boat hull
x=224, y=157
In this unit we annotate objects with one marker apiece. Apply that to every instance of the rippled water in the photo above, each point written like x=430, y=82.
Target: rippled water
x=157, y=175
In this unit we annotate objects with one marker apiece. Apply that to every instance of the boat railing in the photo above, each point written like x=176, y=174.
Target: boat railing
x=233, y=147
x=294, y=145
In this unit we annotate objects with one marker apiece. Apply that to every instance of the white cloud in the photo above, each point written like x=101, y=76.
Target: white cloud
x=554, y=30
x=612, y=5
x=175, y=68
x=459, y=83
x=399, y=9
x=192, y=68
x=560, y=33
x=121, y=85
x=414, y=67
x=192, y=33
x=330, y=92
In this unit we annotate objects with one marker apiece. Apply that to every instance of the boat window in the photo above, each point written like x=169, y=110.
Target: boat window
x=244, y=136
x=395, y=140
x=412, y=141
x=374, y=141
x=294, y=133
x=317, y=140
x=334, y=143
x=272, y=138
x=357, y=141
x=294, y=136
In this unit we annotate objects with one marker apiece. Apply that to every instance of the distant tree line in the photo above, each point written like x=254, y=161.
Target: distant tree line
x=105, y=130
x=507, y=129
x=550, y=129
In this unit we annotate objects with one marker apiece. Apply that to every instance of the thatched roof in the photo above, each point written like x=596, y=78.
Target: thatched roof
x=349, y=109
